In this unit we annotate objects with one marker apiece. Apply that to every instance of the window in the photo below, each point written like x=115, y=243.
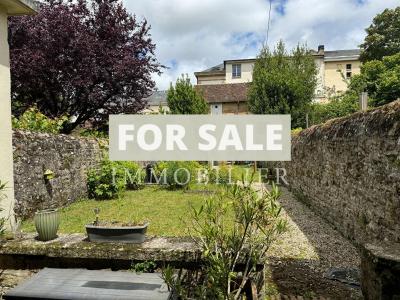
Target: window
x=236, y=70
x=348, y=71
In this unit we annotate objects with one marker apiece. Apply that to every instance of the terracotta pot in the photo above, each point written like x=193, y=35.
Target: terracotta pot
x=47, y=223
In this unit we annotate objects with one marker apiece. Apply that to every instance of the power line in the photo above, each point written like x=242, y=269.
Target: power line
x=269, y=19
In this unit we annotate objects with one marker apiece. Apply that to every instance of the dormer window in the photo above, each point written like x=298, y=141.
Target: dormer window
x=236, y=70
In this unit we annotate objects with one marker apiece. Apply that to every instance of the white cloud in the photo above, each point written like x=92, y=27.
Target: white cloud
x=192, y=35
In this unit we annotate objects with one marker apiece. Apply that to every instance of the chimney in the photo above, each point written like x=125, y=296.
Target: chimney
x=321, y=49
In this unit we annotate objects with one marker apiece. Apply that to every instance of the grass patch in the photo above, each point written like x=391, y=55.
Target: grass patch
x=167, y=211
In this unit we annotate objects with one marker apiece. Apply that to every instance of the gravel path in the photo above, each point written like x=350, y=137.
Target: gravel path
x=300, y=258
x=309, y=237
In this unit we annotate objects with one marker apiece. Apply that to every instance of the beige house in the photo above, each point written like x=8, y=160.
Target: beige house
x=225, y=85
x=8, y=8
x=157, y=101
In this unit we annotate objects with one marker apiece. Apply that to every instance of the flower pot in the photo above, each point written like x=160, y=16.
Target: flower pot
x=47, y=223
x=125, y=234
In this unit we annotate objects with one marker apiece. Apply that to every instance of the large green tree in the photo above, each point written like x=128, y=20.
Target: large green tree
x=183, y=99
x=380, y=78
x=283, y=83
x=383, y=36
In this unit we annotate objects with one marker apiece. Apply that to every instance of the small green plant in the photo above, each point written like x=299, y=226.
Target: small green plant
x=2, y=196
x=177, y=174
x=144, y=267
x=103, y=183
x=296, y=131
x=112, y=178
x=93, y=133
x=96, y=211
x=32, y=119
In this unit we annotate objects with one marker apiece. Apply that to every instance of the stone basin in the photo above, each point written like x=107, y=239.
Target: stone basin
x=122, y=234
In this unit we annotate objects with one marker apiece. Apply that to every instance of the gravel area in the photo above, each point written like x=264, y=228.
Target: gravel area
x=309, y=237
x=310, y=247
x=11, y=278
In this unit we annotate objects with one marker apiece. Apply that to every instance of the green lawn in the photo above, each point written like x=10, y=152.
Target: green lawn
x=167, y=211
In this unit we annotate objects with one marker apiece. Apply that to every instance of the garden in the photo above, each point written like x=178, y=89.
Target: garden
x=128, y=199
x=231, y=223
x=208, y=232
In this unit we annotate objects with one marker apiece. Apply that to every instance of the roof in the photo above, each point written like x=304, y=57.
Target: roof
x=351, y=54
x=216, y=70
x=340, y=53
x=219, y=67
x=223, y=93
x=157, y=98
x=19, y=7
x=333, y=55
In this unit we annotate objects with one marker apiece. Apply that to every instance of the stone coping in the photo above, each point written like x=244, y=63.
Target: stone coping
x=384, y=251
x=380, y=266
x=76, y=246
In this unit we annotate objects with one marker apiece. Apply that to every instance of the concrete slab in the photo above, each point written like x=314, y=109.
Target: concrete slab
x=59, y=284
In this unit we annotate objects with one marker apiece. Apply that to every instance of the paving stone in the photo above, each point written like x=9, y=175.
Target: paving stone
x=58, y=284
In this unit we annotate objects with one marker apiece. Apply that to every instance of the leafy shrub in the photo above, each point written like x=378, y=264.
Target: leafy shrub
x=178, y=174
x=131, y=173
x=223, y=174
x=102, y=182
x=112, y=178
x=227, y=243
x=340, y=106
x=32, y=119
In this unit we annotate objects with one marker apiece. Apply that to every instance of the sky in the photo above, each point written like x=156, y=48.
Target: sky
x=193, y=35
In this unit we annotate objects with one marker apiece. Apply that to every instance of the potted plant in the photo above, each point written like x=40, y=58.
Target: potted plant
x=102, y=231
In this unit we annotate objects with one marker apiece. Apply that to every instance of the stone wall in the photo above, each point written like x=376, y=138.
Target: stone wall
x=67, y=157
x=348, y=171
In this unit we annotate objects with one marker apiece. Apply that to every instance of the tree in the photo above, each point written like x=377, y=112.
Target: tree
x=283, y=83
x=85, y=59
x=184, y=99
x=383, y=36
x=380, y=78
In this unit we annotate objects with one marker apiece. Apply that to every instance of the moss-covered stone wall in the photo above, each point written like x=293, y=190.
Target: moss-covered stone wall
x=67, y=157
x=348, y=170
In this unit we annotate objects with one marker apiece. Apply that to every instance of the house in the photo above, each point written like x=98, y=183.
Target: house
x=8, y=8
x=156, y=101
x=225, y=86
